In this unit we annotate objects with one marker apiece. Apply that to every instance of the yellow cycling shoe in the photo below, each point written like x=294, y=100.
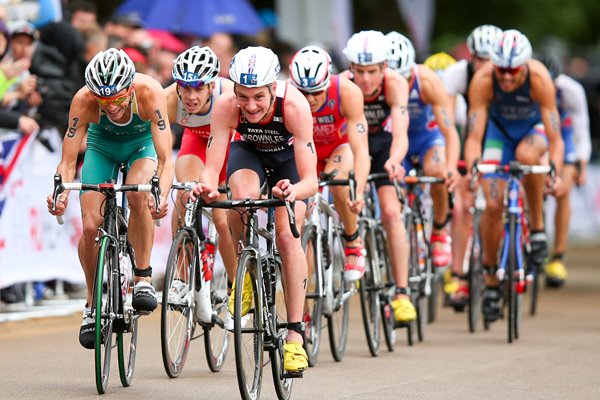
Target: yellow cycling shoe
x=246, y=296
x=556, y=274
x=294, y=357
x=404, y=311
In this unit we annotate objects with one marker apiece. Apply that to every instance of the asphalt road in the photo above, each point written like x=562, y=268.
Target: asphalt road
x=557, y=357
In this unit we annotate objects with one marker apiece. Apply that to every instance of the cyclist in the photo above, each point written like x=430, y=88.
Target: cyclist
x=124, y=115
x=340, y=136
x=385, y=105
x=273, y=132
x=522, y=124
x=432, y=136
x=575, y=129
x=190, y=101
x=457, y=79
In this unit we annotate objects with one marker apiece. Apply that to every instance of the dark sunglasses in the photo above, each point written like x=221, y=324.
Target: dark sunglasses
x=510, y=71
x=190, y=84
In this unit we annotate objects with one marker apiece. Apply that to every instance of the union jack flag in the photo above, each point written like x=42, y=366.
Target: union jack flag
x=12, y=147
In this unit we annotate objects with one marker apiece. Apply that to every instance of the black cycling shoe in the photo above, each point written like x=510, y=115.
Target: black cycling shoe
x=490, y=304
x=539, y=247
x=87, y=335
x=144, y=298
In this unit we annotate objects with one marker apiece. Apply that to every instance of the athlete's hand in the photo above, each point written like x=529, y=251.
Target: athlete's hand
x=453, y=179
x=357, y=206
x=61, y=204
x=164, y=207
x=581, y=177
x=204, y=191
x=285, y=190
x=394, y=169
x=558, y=188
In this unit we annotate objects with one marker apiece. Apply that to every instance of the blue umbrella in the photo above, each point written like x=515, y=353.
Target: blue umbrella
x=196, y=17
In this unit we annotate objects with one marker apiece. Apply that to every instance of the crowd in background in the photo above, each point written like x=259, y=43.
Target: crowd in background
x=42, y=68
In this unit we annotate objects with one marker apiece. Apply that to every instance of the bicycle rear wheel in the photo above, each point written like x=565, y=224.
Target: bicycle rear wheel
x=177, y=312
x=127, y=338
x=475, y=277
x=313, y=303
x=104, y=308
x=369, y=289
x=216, y=338
x=249, y=329
x=388, y=286
x=283, y=384
x=337, y=322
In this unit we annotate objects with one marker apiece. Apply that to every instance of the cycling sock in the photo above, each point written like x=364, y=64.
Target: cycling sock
x=557, y=256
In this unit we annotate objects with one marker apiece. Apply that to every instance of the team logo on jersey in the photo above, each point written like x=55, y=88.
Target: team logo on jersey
x=331, y=103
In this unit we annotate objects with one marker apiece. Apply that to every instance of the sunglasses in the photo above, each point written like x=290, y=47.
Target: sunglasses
x=115, y=100
x=510, y=71
x=189, y=84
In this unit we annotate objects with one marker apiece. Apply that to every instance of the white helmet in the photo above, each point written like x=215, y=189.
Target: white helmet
x=481, y=40
x=310, y=69
x=196, y=66
x=511, y=50
x=254, y=67
x=367, y=48
x=401, y=55
x=109, y=72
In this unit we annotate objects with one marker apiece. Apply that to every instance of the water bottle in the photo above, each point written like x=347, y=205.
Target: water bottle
x=208, y=260
x=125, y=272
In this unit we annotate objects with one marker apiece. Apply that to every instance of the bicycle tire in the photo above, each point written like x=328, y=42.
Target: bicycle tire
x=513, y=297
x=103, y=306
x=249, y=340
x=314, y=300
x=177, y=317
x=535, y=288
x=278, y=311
x=415, y=282
x=369, y=290
x=127, y=339
x=216, y=338
x=389, y=285
x=475, y=277
x=337, y=322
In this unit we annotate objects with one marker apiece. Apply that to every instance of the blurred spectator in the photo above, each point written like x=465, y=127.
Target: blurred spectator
x=82, y=14
x=57, y=62
x=94, y=41
x=22, y=96
x=164, y=67
x=224, y=47
x=121, y=27
x=139, y=59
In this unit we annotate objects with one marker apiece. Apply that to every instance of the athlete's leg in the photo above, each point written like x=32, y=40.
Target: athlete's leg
x=91, y=204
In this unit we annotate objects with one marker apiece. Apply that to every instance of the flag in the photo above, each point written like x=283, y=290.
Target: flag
x=13, y=146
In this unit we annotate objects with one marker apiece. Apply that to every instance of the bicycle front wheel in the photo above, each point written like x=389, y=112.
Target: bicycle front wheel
x=369, y=289
x=389, y=286
x=283, y=384
x=248, y=332
x=339, y=298
x=104, y=308
x=127, y=337
x=314, y=299
x=475, y=276
x=216, y=338
x=177, y=312
x=514, y=296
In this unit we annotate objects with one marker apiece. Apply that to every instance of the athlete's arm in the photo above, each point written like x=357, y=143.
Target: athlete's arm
x=480, y=96
x=352, y=106
x=434, y=93
x=153, y=107
x=84, y=109
x=575, y=102
x=396, y=95
x=544, y=92
x=298, y=121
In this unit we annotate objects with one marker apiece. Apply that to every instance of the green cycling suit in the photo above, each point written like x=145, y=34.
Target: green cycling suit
x=110, y=144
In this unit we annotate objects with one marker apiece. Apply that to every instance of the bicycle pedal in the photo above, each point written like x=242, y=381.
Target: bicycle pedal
x=292, y=375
